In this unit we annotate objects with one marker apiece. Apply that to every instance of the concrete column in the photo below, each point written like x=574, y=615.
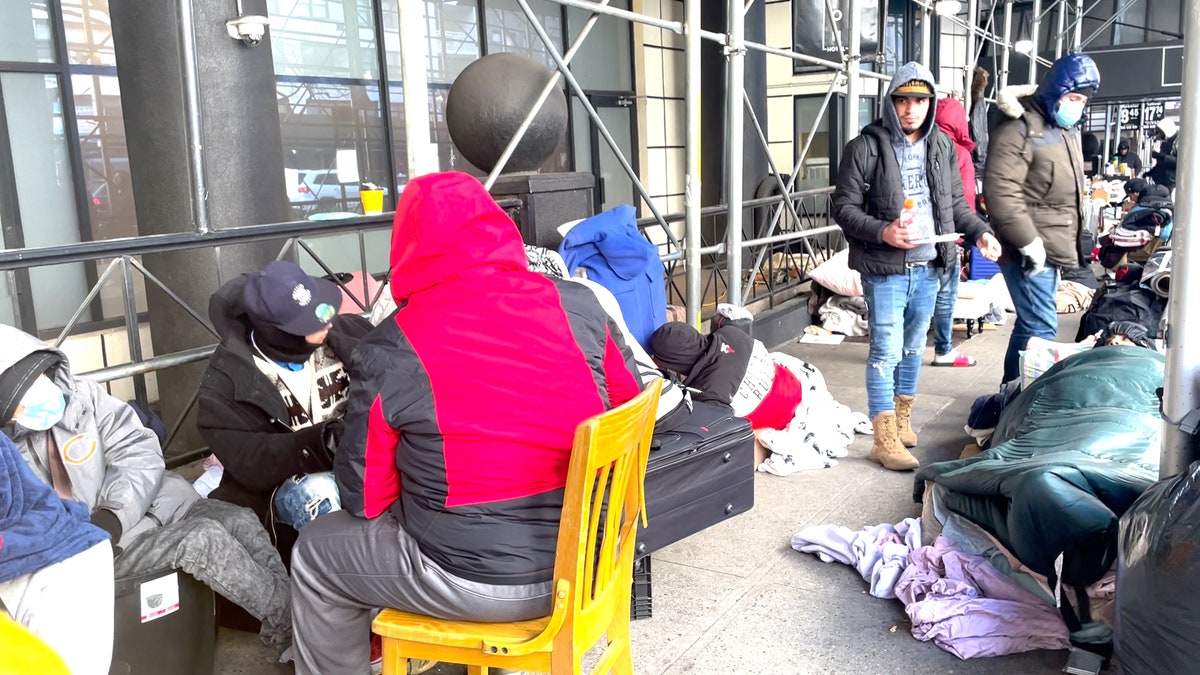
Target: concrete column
x=1181, y=390
x=205, y=152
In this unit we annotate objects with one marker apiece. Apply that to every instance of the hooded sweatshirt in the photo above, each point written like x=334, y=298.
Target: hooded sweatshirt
x=951, y=118
x=869, y=191
x=616, y=255
x=464, y=402
x=911, y=157
x=113, y=462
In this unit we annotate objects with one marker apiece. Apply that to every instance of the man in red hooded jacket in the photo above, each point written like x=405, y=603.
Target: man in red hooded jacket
x=458, y=432
x=951, y=117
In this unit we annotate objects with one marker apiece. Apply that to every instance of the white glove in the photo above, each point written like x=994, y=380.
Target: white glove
x=1034, y=254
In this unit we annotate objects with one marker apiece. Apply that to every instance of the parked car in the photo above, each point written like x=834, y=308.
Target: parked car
x=325, y=187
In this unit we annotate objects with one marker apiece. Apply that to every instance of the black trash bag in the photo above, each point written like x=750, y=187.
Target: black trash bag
x=1158, y=579
x=1121, y=302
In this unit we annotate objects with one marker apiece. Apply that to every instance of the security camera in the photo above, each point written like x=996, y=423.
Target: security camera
x=250, y=29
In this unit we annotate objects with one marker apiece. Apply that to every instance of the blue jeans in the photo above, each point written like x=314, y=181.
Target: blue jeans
x=1033, y=298
x=899, y=307
x=303, y=497
x=943, y=311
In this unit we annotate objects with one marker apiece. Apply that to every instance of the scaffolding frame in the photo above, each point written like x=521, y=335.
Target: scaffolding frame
x=1181, y=393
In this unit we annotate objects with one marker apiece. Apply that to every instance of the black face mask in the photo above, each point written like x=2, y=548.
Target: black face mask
x=280, y=346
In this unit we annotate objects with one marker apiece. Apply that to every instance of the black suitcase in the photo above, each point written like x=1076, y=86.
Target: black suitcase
x=700, y=473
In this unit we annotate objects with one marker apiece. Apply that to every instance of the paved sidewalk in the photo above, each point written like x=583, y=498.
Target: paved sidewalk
x=737, y=599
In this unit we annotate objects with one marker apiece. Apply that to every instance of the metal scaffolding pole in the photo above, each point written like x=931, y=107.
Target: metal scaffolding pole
x=926, y=35
x=853, y=68
x=1181, y=393
x=581, y=96
x=1007, y=40
x=969, y=66
x=736, y=53
x=1034, y=31
x=691, y=191
x=422, y=153
x=1079, y=14
x=1060, y=14
x=551, y=84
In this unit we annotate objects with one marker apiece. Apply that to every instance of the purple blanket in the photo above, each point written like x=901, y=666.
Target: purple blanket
x=970, y=609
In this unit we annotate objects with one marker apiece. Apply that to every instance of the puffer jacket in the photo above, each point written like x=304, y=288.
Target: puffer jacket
x=242, y=417
x=869, y=195
x=113, y=461
x=464, y=402
x=1034, y=181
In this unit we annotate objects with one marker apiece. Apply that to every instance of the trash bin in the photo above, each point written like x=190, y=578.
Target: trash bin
x=164, y=623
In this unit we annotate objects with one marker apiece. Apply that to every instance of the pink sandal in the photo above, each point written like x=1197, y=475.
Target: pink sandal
x=953, y=360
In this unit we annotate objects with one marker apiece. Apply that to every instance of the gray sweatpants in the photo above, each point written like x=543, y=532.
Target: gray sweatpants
x=226, y=547
x=344, y=568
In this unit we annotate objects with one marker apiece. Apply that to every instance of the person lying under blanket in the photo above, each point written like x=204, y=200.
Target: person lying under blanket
x=1070, y=454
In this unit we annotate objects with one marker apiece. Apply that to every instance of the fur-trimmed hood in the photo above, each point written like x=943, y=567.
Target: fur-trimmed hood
x=979, y=83
x=1009, y=100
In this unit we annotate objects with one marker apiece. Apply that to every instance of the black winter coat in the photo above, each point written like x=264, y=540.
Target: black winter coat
x=868, y=196
x=243, y=418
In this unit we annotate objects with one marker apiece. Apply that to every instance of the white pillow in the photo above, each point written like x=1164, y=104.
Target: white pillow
x=1041, y=354
x=836, y=275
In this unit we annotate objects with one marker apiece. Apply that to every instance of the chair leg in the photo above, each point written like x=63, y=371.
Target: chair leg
x=394, y=663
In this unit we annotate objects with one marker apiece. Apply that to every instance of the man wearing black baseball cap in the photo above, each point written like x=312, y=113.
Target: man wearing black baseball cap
x=899, y=199
x=271, y=401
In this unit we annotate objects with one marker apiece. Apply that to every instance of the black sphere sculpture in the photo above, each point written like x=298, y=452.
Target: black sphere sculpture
x=487, y=103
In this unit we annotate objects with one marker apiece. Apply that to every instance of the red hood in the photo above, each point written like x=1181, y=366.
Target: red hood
x=951, y=116
x=448, y=226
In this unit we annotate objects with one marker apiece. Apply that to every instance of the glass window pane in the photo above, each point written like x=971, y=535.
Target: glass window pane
x=866, y=111
x=1165, y=17
x=453, y=31
x=325, y=38
x=27, y=32
x=602, y=62
x=45, y=188
x=815, y=172
x=618, y=186
x=89, y=32
x=105, y=156
x=1129, y=26
x=449, y=158
x=320, y=123
x=509, y=30
x=453, y=39
x=582, y=135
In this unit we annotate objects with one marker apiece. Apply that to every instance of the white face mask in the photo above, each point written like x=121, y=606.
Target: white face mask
x=42, y=406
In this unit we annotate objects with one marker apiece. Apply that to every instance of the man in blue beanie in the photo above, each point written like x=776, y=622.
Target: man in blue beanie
x=1034, y=182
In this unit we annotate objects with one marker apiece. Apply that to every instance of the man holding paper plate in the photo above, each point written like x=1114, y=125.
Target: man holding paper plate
x=899, y=200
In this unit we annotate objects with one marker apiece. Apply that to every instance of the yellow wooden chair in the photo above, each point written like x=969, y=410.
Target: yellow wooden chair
x=23, y=653
x=591, y=591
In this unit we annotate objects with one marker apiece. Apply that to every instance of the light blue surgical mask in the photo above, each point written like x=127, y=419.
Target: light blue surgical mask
x=1069, y=113
x=43, y=405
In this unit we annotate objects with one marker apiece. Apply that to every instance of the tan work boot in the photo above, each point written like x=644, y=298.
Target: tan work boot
x=904, y=428
x=888, y=450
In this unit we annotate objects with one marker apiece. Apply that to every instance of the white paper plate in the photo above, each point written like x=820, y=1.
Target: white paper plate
x=953, y=236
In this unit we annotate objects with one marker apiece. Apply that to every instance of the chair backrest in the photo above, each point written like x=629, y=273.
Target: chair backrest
x=600, y=509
